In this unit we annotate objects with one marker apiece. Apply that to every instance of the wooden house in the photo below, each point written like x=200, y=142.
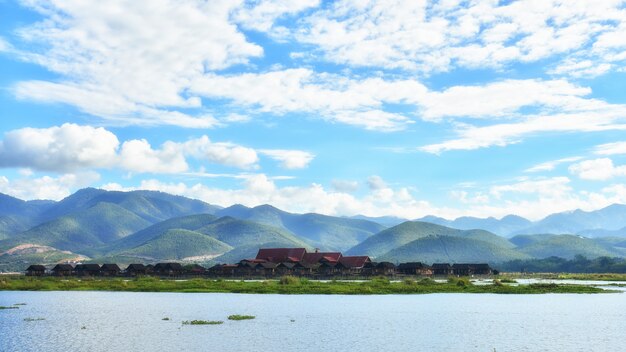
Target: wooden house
x=136, y=270
x=265, y=269
x=305, y=269
x=281, y=255
x=442, y=269
x=352, y=265
x=285, y=268
x=168, y=269
x=471, y=269
x=62, y=270
x=36, y=270
x=415, y=268
x=384, y=268
x=87, y=270
x=321, y=257
x=328, y=269
x=195, y=270
x=110, y=270
x=245, y=268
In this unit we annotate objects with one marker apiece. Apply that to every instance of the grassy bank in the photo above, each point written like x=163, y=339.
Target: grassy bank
x=567, y=276
x=291, y=286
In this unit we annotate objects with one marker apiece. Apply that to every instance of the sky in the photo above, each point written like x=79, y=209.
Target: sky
x=403, y=108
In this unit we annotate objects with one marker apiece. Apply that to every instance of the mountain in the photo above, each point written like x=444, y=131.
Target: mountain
x=400, y=235
x=17, y=215
x=451, y=249
x=325, y=232
x=180, y=244
x=610, y=218
x=150, y=205
x=504, y=227
x=190, y=222
x=565, y=246
x=387, y=221
x=234, y=238
x=82, y=231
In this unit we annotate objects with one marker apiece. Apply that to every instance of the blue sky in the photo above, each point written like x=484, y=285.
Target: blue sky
x=404, y=108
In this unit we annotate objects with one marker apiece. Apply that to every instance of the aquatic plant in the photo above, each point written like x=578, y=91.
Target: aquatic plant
x=202, y=322
x=11, y=307
x=34, y=319
x=240, y=317
x=166, y=318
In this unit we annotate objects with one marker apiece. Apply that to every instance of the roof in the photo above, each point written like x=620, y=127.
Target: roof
x=168, y=266
x=385, y=265
x=136, y=267
x=36, y=268
x=286, y=265
x=114, y=267
x=412, y=265
x=266, y=265
x=87, y=267
x=62, y=267
x=441, y=265
x=278, y=255
x=318, y=257
x=354, y=261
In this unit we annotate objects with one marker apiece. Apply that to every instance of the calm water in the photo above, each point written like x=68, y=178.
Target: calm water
x=117, y=321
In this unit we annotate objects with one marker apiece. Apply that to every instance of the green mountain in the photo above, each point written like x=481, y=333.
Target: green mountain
x=20, y=257
x=452, y=249
x=324, y=232
x=83, y=231
x=177, y=244
x=191, y=222
x=565, y=246
x=397, y=236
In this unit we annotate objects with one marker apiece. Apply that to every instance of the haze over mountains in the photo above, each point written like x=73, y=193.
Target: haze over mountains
x=147, y=226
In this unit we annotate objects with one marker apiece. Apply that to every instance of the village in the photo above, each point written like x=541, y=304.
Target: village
x=270, y=263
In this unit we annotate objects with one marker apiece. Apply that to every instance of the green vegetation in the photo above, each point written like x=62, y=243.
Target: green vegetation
x=34, y=319
x=577, y=265
x=240, y=317
x=202, y=322
x=565, y=246
x=9, y=307
x=375, y=286
x=166, y=318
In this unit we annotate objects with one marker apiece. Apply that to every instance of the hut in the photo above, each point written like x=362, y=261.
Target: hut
x=110, y=270
x=195, y=270
x=415, y=268
x=36, y=270
x=483, y=269
x=168, y=269
x=471, y=269
x=219, y=270
x=265, y=269
x=284, y=268
x=245, y=268
x=353, y=265
x=63, y=270
x=87, y=270
x=384, y=268
x=328, y=268
x=442, y=269
x=135, y=270
x=305, y=269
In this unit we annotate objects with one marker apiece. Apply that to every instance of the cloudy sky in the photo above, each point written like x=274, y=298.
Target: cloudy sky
x=402, y=108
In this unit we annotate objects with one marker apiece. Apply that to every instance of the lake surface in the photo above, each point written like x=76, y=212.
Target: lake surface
x=122, y=321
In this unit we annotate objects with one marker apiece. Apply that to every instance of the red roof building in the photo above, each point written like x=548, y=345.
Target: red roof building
x=320, y=257
x=354, y=262
x=280, y=255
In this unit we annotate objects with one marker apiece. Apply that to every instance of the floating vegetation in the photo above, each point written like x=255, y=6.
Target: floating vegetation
x=10, y=307
x=507, y=280
x=34, y=319
x=19, y=304
x=202, y=322
x=83, y=328
x=166, y=318
x=240, y=317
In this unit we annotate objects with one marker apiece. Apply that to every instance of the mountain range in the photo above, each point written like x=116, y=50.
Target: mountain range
x=148, y=226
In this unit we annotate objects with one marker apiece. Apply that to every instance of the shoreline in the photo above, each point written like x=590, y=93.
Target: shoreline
x=286, y=285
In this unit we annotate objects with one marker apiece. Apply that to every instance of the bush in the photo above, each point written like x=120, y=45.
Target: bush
x=289, y=280
x=497, y=283
x=427, y=281
x=409, y=282
x=380, y=280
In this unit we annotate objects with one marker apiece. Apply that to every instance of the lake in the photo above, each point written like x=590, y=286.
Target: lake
x=123, y=321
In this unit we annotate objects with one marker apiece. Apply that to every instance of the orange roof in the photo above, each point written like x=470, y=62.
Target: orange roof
x=279, y=255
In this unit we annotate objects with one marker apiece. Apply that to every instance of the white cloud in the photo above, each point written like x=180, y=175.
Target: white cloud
x=551, y=165
x=138, y=156
x=418, y=35
x=597, y=169
x=124, y=58
x=221, y=153
x=290, y=159
x=611, y=148
x=65, y=148
x=345, y=186
x=47, y=187
x=261, y=15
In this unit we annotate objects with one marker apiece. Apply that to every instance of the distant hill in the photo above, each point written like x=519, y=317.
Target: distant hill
x=610, y=218
x=506, y=226
x=82, y=231
x=17, y=215
x=388, y=221
x=325, y=232
x=179, y=244
x=565, y=246
x=387, y=240
x=451, y=249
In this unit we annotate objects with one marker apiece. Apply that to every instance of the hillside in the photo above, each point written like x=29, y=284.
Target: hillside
x=394, y=237
x=179, y=244
x=322, y=231
x=83, y=231
x=451, y=249
x=566, y=246
x=506, y=226
x=609, y=218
